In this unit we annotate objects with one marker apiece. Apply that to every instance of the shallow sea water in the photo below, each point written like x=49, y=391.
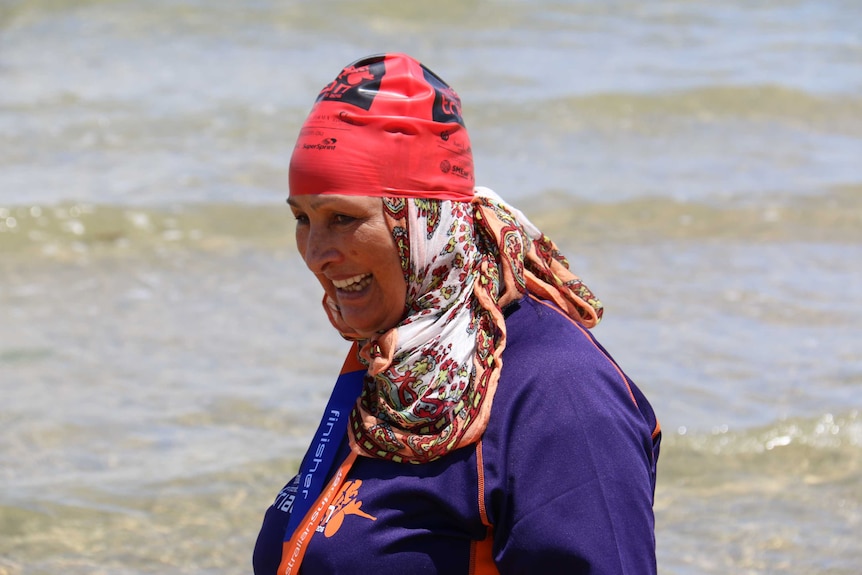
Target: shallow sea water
x=163, y=358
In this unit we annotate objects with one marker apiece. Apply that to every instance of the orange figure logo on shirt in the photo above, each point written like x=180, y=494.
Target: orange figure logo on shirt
x=345, y=504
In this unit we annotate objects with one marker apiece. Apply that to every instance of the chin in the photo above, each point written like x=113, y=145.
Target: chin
x=366, y=332
x=360, y=329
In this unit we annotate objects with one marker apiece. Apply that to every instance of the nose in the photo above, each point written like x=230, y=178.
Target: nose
x=318, y=248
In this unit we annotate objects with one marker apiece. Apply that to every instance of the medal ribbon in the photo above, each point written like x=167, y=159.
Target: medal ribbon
x=293, y=550
x=332, y=431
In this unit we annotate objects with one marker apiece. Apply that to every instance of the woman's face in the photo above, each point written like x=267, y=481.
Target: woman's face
x=346, y=243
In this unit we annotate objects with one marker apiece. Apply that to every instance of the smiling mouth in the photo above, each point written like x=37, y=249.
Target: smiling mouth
x=354, y=284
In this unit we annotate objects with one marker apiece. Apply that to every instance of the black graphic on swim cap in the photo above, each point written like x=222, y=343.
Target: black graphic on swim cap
x=357, y=84
x=447, y=104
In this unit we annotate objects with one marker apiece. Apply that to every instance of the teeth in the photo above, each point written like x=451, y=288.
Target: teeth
x=352, y=284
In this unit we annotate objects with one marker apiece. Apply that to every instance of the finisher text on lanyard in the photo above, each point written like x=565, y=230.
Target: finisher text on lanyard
x=320, y=456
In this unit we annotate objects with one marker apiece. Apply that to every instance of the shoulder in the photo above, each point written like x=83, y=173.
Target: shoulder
x=569, y=454
x=558, y=385
x=550, y=351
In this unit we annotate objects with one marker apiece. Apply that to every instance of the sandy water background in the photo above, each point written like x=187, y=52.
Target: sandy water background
x=163, y=358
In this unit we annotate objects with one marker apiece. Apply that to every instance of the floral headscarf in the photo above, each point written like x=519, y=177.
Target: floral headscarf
x=431, y=379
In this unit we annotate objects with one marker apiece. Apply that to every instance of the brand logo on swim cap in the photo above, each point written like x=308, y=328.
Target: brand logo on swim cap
x=325, y=144
x=447, y=104
x=461, y=172
x=355, y=85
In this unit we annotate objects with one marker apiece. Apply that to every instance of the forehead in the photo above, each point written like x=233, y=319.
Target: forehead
x=334, y=202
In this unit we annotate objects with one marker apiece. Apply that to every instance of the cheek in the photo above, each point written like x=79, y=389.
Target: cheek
x=301, y=236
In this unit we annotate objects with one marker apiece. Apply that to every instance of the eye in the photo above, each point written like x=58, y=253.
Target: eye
x=343, y=219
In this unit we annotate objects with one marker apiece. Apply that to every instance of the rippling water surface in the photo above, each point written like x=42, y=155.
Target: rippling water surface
x=163, y=358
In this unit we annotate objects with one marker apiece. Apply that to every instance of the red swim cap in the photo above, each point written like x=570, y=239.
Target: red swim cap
x=386, y=126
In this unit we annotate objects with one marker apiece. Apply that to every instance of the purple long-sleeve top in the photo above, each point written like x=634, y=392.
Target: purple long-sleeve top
x=561, y=482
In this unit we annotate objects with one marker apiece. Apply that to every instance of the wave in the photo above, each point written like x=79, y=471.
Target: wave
x=779, y=499
x=819, y=449
x=64, y=230
x=840, y=114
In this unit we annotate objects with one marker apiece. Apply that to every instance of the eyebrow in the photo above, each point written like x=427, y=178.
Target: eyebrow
x=315, y=203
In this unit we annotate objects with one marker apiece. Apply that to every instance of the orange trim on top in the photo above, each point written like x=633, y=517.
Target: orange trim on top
x=480, y=468
x=482, y=556
x=482, y=552
x=657, y=429
x=351, y=362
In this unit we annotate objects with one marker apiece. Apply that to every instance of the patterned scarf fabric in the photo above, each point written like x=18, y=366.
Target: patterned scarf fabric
x=431, y=379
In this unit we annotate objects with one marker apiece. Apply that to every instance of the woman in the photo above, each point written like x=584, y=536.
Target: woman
x=477, y=426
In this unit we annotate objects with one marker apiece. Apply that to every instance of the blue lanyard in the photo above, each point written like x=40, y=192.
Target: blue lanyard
x=320, y=456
